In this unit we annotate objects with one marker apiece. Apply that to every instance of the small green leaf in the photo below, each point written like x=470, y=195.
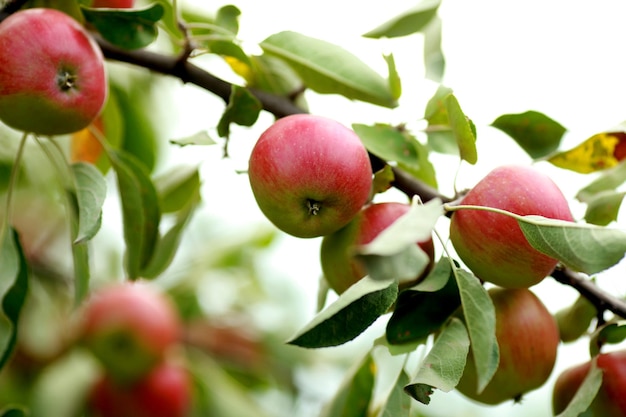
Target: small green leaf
x=127, y=28
x=329, y=69
x=178, y=188
x=604, y=207
x=13, y=290
x=228, y=18
x=440, y=136
x=140, y=211
x=355, y=393
x=581, y=247
x=612, y=333
x=585, y=394
x=346, y=318
x=80, y=252
x=608, y=180
x=198, y=138
x=480, y=320
x=443, y=367
x=90, y=195
x=395, y=85
x=534, y=132
x=434, y=60
x=407, y=23
x=243, y=109
x=420, y=313
x=463, y=130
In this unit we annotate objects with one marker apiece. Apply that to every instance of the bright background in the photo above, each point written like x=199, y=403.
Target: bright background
x=562, y=58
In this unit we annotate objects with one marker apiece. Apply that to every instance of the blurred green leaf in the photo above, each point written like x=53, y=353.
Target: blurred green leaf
x=178, y=187
x=127, y=28
x=574, y=320
x=480, y=321
x=243, y=109
x=581, y=247
x=443, y=367
x=604, y=207
x=198, y=138
x=440, y=136
x=606, y=181
x=14, y=412
x=140, y=211
x=397, y=403
x=355, y=394
x=80, y=251
x=90, y=195
x=328, y=68
x=534, y=132
x=13, y=290
x=420, y=313
x=434, y=60
x=346, y=318
x=407, y=23
x=585, y=393
x=463, y=130
x=611, y=333
x=228, y=18
x=395, y=84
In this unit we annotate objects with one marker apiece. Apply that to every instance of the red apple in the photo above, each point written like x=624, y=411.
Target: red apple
x=129, y=327
x=341, y=268
x=611, y=398
x=164, y=392
x=310, y=175
x=528, y=338
x=492, y=245
x=113, y=4
x=52, y=75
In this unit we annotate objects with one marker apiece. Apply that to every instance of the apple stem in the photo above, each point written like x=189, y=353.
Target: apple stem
x=314, y=207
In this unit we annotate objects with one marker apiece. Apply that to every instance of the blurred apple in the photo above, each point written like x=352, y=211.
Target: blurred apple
x=310, y=175
x=52, y=75
x=340, y=265
x=492, y=245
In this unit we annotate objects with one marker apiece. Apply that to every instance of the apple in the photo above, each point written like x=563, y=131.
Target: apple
x=492, y=245
x=528, y=338
x=129, y=327
x=165, y=392
x=610, y=400
x=52, y=74
x=113, y=4
x=310, y=175
x=339, y=265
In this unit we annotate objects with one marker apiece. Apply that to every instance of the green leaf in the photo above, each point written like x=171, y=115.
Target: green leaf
x=581, y=247
x=395, y=84
x=127, y=28
x=140, y=211
x=612, y=333
x=90, y=195
x=178, y=188
x=346, y=318
x=243, y=109
x=328, y=68
x=13, y=290
x=440, y=136
x=443, y=366
x=355, y=394
x=420, y=313
x=198, y=138
x=407, y=23
x=463, y=130
x=80, y=251
x=604, y=207
x=434, y=60
x=585, y=394
x=228, y=18
x=397, y=403
x=607, y=181
x=480, y=320
x=394, y=144
x=13, y=412
x=534, y=132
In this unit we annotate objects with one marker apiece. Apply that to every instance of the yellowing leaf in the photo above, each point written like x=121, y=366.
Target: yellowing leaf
x=240, y=68
x=84, y=146
x=599, y=152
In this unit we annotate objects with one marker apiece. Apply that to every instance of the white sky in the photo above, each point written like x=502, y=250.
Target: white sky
x=563, y=58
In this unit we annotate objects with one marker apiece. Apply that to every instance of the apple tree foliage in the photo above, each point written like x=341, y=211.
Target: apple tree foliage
x=57, y=189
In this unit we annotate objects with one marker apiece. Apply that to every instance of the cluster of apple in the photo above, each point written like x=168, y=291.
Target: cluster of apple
x=133, y=330
x=311, y=177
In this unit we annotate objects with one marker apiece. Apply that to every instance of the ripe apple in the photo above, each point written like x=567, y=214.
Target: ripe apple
x=610, y=400
x=310, y=175
x=492, y=245
x=528, y=338
x=164, y=392
x=129, y=327
x=114, y=4
x=339, y=265
x=52, y=75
